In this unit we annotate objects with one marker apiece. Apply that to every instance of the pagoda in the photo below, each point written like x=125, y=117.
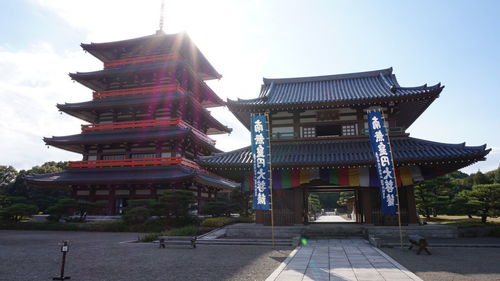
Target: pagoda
x=319, y=143
x=148, y=123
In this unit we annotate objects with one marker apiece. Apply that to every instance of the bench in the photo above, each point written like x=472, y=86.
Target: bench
x=177, y=240
x=417, y=240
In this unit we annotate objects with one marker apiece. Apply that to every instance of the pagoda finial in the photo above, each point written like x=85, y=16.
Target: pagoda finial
x=161, y=14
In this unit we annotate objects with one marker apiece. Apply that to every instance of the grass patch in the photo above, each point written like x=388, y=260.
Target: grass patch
x=463, y=222
x=222, y=221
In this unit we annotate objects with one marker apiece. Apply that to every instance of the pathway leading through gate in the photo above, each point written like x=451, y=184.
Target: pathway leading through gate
x=340, y=260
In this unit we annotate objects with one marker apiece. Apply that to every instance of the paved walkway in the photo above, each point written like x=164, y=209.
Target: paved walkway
x=340, y=260
x=331, y=218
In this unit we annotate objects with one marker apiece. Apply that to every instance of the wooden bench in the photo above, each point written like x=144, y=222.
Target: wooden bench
x=177, y=240
x=419, y=241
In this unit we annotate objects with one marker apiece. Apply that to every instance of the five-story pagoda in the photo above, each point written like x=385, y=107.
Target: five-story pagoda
x=148, y=123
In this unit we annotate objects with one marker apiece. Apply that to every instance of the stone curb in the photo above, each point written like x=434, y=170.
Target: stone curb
x=282, y=266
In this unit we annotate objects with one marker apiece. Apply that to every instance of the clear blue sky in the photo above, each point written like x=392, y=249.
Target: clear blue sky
x=454, y=42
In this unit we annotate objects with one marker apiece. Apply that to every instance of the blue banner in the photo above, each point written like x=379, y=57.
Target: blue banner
x=261, y=163
x=385, y=168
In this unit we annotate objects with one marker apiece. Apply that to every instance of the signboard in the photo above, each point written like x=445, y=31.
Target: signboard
x=261, y=162
x=385, y=166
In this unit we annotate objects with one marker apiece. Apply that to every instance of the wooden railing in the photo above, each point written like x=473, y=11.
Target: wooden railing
x=131, y=124
x=392, y=130
x=143, y=59
x=137, y=91
x=148, y=123
x=134, y=162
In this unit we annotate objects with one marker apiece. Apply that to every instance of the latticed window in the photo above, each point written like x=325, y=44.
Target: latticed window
x=309, y=132
x=349, y=130
x=143, y=155
x=113, y=157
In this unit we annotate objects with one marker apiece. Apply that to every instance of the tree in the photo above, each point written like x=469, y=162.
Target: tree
x=64, y=207
x=485, y=198
x=178, y=203
x=432, y=196
x=17, y=211
x=242, y=201
x=43, y=197
x=314, y=205
x=480, y=178
x=7, y=175
x=83, y=208
x=460, y=204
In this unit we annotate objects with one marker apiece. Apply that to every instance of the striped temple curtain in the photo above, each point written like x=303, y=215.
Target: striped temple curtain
x=361, y=176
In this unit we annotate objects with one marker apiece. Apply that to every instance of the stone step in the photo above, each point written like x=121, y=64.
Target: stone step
x=257, y=242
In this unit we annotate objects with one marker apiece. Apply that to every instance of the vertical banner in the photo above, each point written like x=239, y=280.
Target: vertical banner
x=261, y=162
x=385, y=166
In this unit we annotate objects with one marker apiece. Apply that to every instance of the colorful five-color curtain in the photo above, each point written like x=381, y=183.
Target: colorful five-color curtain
x=361, y=176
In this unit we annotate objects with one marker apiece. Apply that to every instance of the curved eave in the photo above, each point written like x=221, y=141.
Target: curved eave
x=88, y=111
x=344, y=153
x=412, y=105
x=159, y=174
x=102, y=51
x=76, y=143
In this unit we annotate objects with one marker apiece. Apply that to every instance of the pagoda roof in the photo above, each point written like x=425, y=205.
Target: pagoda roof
x=76, y=142
x=370, y=88
x=119, y=175
x=350, y=152
x=156, y=43
x=88, y=110
x=93, y=79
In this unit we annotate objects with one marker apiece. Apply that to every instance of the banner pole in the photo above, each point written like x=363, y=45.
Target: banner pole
x=397, y=186
x=270, y=178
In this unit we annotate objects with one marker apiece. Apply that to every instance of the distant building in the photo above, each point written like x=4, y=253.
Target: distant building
x=319, y=143
x=148, y=124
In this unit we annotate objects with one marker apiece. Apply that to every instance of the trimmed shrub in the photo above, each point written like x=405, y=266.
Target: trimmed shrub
x=136, y=215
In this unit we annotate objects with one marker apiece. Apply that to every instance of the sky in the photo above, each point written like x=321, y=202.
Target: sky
x=453, y=42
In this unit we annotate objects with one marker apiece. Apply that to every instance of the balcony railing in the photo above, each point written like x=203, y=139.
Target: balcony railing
x=143, y=59
x=148, y=123
x=134, y=163
x=137, y=91
x=392, y=130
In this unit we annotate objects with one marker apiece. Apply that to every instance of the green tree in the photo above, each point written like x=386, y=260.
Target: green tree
x=432, y=196
x=178, y=203
x=64, y=207
x=7, y=175
x=485, y=198
x=480, y=178
x=83, y=208
x=17, y=211
x=243, y=201
x=314, y=205
x=43, y=197
x=460, y=204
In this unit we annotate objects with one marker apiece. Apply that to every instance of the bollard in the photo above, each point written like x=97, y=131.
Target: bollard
x=64, y=250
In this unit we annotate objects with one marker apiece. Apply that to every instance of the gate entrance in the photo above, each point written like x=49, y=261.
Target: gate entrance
x=331, y=206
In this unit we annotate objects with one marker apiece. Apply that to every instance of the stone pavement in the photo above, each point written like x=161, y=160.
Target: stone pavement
x=331, y=218
x=340, y=260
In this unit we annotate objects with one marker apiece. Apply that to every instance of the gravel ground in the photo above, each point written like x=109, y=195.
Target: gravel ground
x=35, y=255
x=446, y=264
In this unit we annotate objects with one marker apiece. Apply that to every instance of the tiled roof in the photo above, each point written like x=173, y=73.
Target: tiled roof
x=130, y=175
x=364, y=88
x=349, y=152
x=160, y=41
x=87, y=110
x=75, y=142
